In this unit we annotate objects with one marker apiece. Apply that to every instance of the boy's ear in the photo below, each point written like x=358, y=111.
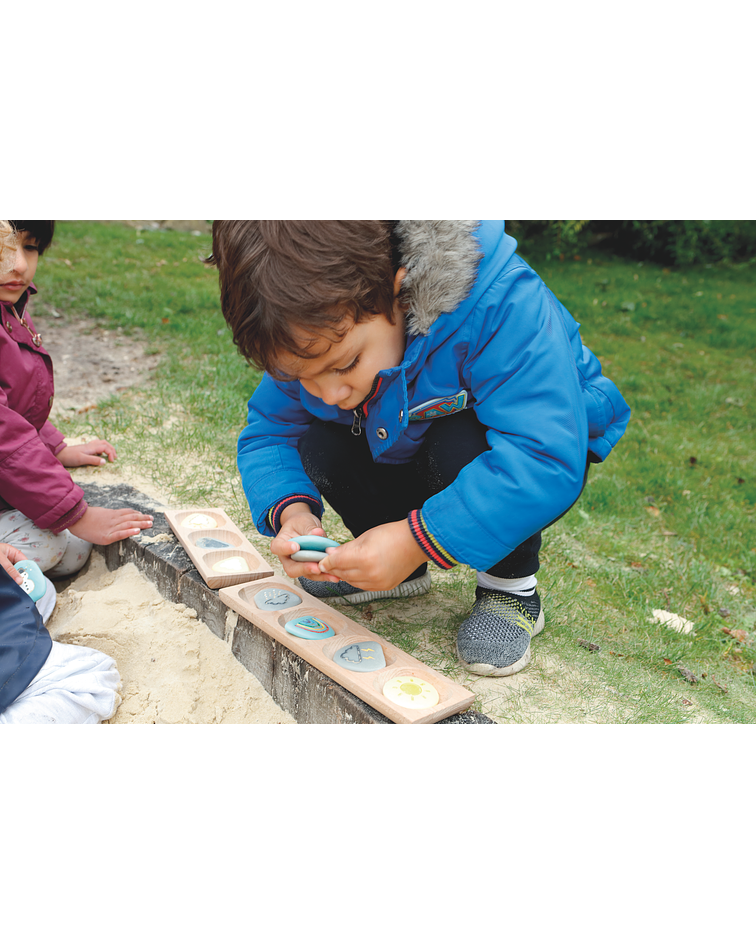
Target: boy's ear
x=398, y=279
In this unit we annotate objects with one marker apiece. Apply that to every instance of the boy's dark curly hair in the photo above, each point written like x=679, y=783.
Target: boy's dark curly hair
x=284, y=283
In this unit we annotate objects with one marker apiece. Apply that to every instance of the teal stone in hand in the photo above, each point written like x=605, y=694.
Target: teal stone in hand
x=34, y=580
x=313, y=547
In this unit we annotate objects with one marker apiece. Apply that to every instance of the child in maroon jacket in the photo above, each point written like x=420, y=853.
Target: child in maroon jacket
x=43, y=513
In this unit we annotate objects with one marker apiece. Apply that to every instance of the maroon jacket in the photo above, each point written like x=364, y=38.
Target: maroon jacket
x=32, y=480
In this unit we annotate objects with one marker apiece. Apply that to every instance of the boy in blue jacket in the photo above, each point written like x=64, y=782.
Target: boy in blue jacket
x=422, y=378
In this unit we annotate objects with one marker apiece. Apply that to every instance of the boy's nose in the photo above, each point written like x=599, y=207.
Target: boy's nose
x=331, y=393
x=21, y=265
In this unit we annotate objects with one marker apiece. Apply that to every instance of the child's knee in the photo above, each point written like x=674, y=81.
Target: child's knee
x=73, y=559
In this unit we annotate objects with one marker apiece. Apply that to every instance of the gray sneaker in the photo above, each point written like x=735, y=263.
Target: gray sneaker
x=495, y=638
x=413, y=587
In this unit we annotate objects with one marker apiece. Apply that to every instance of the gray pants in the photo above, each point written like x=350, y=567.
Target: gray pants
x=58, y=556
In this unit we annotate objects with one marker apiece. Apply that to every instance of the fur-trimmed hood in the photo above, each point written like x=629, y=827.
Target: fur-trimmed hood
x=441, y=258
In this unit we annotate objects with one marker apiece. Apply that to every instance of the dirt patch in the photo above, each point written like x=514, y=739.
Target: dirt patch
x=90, y=362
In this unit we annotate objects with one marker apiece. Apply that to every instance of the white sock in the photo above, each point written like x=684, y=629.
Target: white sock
x=523, y=586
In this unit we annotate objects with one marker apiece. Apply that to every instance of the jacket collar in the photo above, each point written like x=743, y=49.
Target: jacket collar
x=441, y=258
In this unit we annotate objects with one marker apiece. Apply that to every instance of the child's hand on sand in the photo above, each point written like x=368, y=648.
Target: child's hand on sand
x=104, y=526
x=87, y=454
x=299, y=521
x=378, y=560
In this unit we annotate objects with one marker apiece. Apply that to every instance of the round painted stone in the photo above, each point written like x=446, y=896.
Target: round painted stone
x=411, y=692
x=309, y=628
x=198, y=520
x=276, y=598
x=361, y=657
x=231, y=566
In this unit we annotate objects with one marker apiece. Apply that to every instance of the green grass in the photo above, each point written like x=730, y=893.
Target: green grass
x=668, y=522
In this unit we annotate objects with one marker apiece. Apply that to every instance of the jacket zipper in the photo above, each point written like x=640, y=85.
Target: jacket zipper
x=357, y=422
x=359, y=412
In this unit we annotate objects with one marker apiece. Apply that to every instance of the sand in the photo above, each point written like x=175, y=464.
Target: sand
x=173, y=667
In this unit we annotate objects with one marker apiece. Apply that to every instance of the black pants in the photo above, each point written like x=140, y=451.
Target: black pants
x=365, y=493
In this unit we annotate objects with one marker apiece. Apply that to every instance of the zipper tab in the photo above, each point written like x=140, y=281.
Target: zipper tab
x=357, y=422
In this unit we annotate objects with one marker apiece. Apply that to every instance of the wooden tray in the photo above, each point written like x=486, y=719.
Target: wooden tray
x=222, y=529
x=368, y=686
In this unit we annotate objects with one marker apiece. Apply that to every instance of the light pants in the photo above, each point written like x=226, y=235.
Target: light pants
x=76, y=685
x=58, y=556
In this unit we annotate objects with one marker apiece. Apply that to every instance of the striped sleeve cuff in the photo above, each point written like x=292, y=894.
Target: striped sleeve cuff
x=428, y=543
x=274, y=513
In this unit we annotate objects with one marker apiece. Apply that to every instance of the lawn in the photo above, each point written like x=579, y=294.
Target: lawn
x=667, y=523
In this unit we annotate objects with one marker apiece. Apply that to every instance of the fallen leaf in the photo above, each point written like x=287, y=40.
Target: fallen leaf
x=740, y=635
x=652, y=510
x=687, y=702
x=668, y=662
x=724, y=612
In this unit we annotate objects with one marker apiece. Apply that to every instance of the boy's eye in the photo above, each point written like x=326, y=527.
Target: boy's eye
x=349, y=367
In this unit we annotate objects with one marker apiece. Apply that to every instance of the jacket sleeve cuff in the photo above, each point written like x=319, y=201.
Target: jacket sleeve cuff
x=428, y=543
x=70, y=518
x=274, y=513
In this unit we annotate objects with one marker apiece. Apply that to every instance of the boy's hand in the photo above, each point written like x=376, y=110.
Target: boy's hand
x=378, y=560
x=88, y=454
x=299, y=521
x=104, y=526
x=8, y=557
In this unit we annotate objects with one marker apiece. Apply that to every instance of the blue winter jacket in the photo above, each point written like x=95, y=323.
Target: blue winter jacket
x=483, y=333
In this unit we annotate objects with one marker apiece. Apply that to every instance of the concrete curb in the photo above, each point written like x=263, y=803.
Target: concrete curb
x=296, y=686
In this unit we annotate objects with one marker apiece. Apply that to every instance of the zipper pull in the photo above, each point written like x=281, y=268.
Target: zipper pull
x=357, y=422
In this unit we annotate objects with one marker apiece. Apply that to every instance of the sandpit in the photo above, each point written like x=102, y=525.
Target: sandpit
x=173, y=668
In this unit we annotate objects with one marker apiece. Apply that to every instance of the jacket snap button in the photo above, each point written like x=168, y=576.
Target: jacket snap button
x=381, y=433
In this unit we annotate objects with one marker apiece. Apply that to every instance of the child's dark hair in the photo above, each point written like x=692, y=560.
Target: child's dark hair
x=41, y=230
x=280, y=277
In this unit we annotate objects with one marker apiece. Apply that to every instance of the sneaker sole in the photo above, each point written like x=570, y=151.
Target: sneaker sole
x=414, y=588
x=486, y=669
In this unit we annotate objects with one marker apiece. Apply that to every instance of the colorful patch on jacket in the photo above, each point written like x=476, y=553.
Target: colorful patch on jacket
x=439, y=407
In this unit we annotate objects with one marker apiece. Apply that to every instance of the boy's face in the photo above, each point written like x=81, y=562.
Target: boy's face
x=343, y=371
x=14, y=283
